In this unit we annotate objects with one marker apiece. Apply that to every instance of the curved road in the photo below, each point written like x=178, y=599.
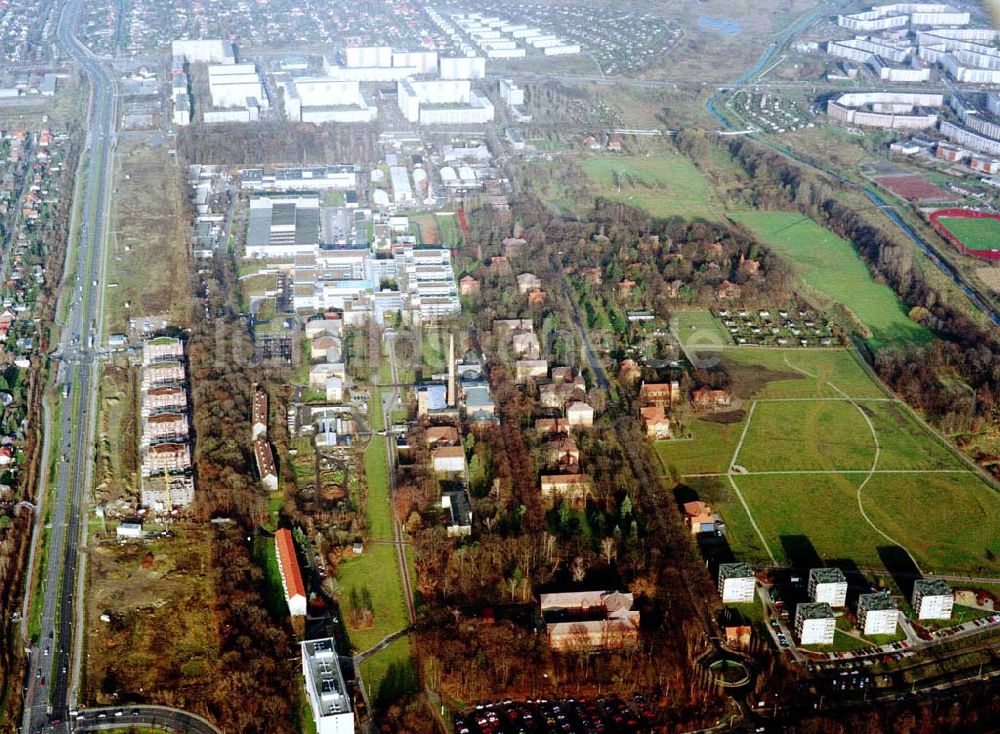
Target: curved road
x=108, y=718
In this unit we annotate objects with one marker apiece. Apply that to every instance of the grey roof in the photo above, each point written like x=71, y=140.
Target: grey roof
x=461, y=511
x=814, y=610
x=827, y=576
x=873, y=602
x=931, y=587
x=735, y=570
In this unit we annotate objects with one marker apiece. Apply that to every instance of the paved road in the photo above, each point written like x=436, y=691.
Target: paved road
x=48, y=697
x=102, y=719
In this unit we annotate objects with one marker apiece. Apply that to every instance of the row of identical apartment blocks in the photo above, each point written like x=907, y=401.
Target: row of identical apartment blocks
x=164, y=441
x=816, y=620
x=903, y=15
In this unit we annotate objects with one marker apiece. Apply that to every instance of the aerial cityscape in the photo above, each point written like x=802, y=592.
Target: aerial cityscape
x=464, y=367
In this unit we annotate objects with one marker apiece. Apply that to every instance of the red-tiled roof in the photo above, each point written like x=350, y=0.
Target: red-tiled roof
x=292, y=577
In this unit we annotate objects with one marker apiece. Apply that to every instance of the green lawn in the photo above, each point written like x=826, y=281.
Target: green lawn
x=808, y=435
x=699, y=328
x=829, y=265
x=796, y=373
x=449, y=233
x=377, y=474
x=905, y=443
x=374, y=669
x=377, y=568
x=802, y=514
x=709, y=449
x=665, y=185
x=912, y=508
x=976, y=234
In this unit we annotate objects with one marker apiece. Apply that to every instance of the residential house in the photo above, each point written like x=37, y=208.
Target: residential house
x=448, y=460
x=580, y=414
x=468, y=286
x=655, y=420
x=660, y=393
x=527, y=282
x=572, y=488
x=708, y=399
x=436, y=436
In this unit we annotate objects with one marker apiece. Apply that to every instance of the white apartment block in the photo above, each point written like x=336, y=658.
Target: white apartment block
x=877, y=614
x=932, y=599
x=828, y=585
x=815, y=623
x=902, y=15
x=737, y=583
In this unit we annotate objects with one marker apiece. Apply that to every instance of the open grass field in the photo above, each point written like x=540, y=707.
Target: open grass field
x=829, y=265
x=170, y=597
x=449, y=231
x=374, y=669
x=148, y=248
x=377, y=568
x=796, y=373
x=117, y=470
x=804, y=489
x=808, y=435
x=976, y=234
x=710, y=448
x=665, y=185
x=699, y=328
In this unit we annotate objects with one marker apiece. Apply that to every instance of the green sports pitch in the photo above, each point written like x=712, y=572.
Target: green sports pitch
x=975, y=234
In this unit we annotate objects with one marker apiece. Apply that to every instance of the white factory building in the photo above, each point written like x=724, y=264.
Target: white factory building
x=306, y=178
x=236, y=85
x=877, y=614
x=349, y=279
x=932, y=599
x=828, y=585
x=204, y=51
x=737, y=583
x=281, y=227
x=443, y=102
x=329, y=698
x=815, y=623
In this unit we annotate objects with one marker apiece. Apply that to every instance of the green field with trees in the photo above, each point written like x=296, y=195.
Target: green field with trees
x=666, y=184
x=824, y=460
x=829, y=265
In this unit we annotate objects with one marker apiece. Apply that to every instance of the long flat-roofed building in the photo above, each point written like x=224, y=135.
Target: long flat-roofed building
x=291, y=575
x=283, y=226
x=328, y=696
x=932, y=599
x=828, y=585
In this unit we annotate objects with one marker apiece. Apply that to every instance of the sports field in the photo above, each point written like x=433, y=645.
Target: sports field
x=976, y=234
x=826, y=464
x=665, y=185
x=830, y=265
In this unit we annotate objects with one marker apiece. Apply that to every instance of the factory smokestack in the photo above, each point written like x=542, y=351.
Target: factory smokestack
x=451, y=371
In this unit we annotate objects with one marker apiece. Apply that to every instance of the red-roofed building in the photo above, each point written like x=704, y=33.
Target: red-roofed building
x=291, y=576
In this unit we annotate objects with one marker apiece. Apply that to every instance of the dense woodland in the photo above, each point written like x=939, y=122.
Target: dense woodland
x=277, y=143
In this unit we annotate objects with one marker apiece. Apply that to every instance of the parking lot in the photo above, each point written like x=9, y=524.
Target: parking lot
x=572, y=716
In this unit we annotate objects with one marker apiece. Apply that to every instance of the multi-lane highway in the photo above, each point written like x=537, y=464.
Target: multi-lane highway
x=49, y=696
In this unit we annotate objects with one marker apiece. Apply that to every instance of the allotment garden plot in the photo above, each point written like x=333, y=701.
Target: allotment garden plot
x=818, y=455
